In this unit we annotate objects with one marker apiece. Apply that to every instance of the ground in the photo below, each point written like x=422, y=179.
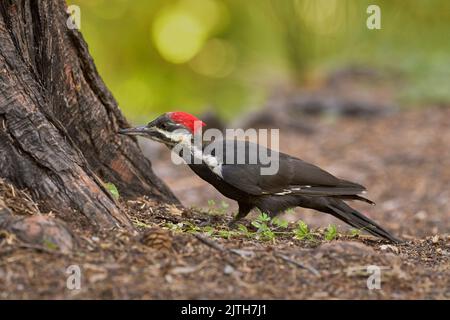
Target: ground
x=163, y=264
x=190, y=253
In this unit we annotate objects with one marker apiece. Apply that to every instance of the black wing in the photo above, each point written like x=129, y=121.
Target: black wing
x=294, y=176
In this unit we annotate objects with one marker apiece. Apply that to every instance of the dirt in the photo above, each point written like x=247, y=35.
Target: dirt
x=402, y=159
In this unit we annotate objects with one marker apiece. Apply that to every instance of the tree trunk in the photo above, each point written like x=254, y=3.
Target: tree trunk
x=59, y=122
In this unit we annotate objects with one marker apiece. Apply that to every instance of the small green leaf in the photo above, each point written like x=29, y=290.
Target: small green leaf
x=355, y=232
x=264, y=227
x=264, y=217
x=224, y=205
x=112, y=190
x=211, y=203
x=280, y=223
x=269, y=234
x=225, y=234
x=243, y=229
x=50, y=244
x=208, y=230
x=302, y=231
x=302, y=227
x=256, y=224
x=331, y=232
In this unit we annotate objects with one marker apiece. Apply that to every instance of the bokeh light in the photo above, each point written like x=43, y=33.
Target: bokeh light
x=178, y=36
x=217, y=59
x=180, y=30
x=324, y=17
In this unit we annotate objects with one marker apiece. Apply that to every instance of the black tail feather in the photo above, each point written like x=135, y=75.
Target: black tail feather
x=356, y=197
x=344, y=212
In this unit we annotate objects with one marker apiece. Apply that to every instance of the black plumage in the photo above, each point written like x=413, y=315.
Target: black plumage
x=296, y=184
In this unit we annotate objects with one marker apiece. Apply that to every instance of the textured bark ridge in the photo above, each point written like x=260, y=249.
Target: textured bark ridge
x=59, y=122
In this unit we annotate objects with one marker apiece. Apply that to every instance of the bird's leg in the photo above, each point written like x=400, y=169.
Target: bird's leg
x=244, y=209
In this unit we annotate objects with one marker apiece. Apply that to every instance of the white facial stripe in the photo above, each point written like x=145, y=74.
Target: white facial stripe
x=184, y=139
x=176, y=136
x=208, y=159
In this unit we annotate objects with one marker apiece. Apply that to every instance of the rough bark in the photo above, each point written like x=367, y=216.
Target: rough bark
x=59, y=122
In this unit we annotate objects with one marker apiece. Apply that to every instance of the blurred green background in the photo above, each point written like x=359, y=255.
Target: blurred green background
x=230, y=55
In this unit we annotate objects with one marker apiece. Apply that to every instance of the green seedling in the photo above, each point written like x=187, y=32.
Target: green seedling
x=191, y=228
x=227, y=234
x=355, y=232
x=224, y=205
x=302, y=231
x=264, y=217
x=211, y=204
x=208, y=230
x=331, y=232
x=261, y=223
x=280, y=223
x=243, y=230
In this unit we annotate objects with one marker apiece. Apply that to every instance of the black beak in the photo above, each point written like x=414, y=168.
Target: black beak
x=147, y=131
x=137, y=131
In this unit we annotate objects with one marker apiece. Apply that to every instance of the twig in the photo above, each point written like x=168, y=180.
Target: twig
x=298, y=264
x=210, y=243
x=43, y=249
x=170, y=219
x=215, y=245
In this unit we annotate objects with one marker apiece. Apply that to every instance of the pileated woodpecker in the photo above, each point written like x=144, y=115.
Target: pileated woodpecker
x=295, y=184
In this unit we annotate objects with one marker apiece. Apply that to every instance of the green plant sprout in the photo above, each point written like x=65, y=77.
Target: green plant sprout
x=302, y=231
x=280, y=223
x=244, y=230
x=267, y=229
x=263, y=229
x=211, y=203
x=224, y=204
x=331, y=232
x=355, y=232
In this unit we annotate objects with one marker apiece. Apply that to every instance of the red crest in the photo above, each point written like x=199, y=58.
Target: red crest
x=188, y=120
